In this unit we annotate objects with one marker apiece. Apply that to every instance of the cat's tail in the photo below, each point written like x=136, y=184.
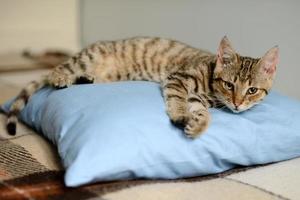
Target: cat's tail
x=20, y=102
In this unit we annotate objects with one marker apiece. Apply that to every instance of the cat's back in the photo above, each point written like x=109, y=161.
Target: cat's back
x=151, y=57
x=154, y=45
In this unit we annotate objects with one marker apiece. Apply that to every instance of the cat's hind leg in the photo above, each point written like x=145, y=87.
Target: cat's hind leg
x=76, y=70
x=61, y=77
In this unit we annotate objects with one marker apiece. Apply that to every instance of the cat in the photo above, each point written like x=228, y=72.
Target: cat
x=192, y=80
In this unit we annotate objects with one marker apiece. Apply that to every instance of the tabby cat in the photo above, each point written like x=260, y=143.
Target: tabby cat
x=192, y=80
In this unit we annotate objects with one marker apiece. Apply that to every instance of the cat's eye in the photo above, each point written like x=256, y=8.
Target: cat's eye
x=228, y=85
x=252, y=90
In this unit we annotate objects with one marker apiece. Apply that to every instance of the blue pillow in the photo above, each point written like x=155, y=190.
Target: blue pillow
x=117, y=131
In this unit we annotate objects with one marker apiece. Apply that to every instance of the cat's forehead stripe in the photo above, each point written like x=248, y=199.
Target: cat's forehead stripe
x=246, y=67
x=235, y=78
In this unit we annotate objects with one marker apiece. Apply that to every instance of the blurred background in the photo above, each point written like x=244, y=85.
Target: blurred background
x=54, y=28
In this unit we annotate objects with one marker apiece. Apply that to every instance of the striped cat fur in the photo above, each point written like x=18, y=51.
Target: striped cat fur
x=192, y=80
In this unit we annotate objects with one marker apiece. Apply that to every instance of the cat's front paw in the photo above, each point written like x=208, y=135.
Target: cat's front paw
x=179, y=119
x=197, y=125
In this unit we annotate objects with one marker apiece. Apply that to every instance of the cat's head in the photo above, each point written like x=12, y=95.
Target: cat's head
x=240, y=82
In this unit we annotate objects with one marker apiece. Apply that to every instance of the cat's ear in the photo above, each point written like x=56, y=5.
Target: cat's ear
x=226, y=54
x=269, y=61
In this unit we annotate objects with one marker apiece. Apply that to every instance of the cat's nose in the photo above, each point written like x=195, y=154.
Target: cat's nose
x=236, y=105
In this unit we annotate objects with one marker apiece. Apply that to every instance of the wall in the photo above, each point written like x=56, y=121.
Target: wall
x=38, y=24
x=253, y=27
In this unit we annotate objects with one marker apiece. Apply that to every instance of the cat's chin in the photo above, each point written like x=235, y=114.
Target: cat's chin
x=234, y=110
